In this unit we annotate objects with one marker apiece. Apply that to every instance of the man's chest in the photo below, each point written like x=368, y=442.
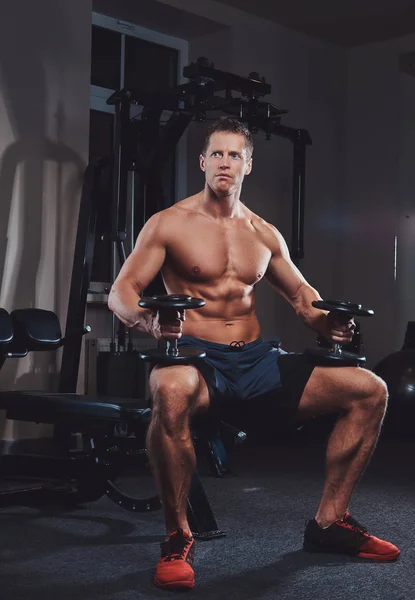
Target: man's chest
x=210, y=253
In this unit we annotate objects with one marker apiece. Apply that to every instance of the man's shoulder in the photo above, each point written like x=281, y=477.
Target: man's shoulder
x=178, y=209
x=189, y=204
x=267, y=231
x=165, y=223
x=261, y=225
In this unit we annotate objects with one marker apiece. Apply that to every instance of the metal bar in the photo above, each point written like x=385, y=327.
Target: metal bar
x=247, y=86
x=21, y=497
x=81, y=276
x=199, y=513
x=297, y=231
x=133, y=176
x=120, y=174
x=167, y=141
x=119, y=200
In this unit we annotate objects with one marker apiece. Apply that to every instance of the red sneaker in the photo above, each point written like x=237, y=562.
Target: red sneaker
x=347, y=536
x=174, y=570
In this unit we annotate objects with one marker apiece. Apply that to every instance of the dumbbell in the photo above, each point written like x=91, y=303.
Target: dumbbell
x=172, y=354
x=336, y=355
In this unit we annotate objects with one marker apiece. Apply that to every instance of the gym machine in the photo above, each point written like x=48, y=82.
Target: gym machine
x=141, y=149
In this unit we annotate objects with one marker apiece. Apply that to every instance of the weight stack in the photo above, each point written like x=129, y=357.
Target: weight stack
x=120, y=374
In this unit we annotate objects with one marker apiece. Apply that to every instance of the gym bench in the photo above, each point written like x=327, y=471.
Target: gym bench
x=72, y=475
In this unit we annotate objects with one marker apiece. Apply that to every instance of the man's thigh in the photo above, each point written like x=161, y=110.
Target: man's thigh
x=335, y=389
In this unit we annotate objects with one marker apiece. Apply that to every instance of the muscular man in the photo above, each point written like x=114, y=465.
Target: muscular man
x=212, y=246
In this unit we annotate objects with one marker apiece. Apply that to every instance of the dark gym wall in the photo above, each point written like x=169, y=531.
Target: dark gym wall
x=159, y=17
x=377, y=236
x=406, y=185
x=44, y=116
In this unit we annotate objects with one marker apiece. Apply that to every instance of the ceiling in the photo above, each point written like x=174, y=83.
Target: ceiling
x=348, y=23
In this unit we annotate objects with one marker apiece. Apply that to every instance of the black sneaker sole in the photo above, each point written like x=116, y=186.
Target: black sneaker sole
x=310, y=547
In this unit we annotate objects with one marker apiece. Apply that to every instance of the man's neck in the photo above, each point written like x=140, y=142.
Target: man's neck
x=220, y=207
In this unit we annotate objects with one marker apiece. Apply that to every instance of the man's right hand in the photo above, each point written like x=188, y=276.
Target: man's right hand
x=167, y=324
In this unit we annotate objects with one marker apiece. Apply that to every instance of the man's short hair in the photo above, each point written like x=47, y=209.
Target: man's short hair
x=229, y=125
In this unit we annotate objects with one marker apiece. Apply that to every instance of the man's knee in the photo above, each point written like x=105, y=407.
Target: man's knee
x=173, y=391
x=371, y=392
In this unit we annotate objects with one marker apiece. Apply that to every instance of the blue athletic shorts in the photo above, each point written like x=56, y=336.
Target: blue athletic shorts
x=259, y=371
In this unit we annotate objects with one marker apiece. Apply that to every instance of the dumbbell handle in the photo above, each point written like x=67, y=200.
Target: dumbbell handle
x=337, y=348
x=171, y=348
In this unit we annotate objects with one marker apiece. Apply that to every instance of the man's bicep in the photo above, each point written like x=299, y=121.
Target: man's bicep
x=142, y=266
x=282, y=273
x=284, y=276
x=147, y=258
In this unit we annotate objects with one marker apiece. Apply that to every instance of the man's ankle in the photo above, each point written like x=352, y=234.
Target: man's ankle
x=325, y=520
x=185, y=529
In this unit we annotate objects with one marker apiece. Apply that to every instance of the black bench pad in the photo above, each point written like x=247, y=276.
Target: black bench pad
x=43, y=407
x=6, y=327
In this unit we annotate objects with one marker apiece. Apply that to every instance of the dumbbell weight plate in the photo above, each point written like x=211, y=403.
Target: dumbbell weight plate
x=355, y=310
x=185, y=356
x=175, y=302
x=344, y=358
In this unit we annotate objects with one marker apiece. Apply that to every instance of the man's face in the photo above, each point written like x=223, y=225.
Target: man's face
x=225, y=163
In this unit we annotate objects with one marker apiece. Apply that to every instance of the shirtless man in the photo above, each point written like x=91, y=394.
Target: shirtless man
x=212, y=246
